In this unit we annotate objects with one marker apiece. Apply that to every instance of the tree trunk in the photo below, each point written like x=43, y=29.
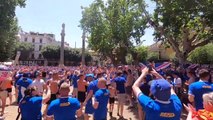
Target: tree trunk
x=182, y=58
x=121, y=55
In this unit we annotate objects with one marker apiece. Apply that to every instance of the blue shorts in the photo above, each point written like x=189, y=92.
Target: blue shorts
x=89, y=108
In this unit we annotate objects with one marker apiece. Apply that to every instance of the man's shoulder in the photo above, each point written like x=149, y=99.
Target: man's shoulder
x=29, y=80
x=99, y=92
x=120, y=78
x=73, y=100
x=19, y=80
x=92, y=83
x=36, y=98
x=196, y=83
x=55, y=102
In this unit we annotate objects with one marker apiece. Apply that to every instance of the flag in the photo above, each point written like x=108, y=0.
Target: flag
x=192, y=66
x=163, y=66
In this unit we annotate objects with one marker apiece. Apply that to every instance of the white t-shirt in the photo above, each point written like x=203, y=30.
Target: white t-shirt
x=39, y=84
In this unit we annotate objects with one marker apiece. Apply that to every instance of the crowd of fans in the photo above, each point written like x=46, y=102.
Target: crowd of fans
x=72, y=92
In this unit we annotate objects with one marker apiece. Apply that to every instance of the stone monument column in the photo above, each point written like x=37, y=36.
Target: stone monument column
x=83, y=48
x=62, y=46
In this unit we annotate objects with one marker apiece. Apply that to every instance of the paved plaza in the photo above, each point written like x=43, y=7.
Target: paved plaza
x=129, y=114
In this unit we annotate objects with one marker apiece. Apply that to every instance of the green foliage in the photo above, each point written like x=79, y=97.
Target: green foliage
x=113, y=27
x=8, y=27
x=202, y=55
x=74, y=55
x=184, y=24
x=88, y=57
x=142, y=53
x=51, y=52
x=25, y=48
x=153, y=56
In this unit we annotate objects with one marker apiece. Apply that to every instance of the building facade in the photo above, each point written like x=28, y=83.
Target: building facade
x=165, y=53
x=39, y=40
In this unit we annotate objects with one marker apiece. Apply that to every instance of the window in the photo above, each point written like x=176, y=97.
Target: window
x=25, y=39
x=32, y=56
x=40, y=47
x=40, y=56
x=41, y=40
x=33, y=40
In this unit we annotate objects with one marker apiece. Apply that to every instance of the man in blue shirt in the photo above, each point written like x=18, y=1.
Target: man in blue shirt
x=92, y=88
x=30, y=106
x=64, y=108
x=101, y=101
x=75, y=83
x=22, y=85
x=120, y=87
x=166, y=105
x=197, y=89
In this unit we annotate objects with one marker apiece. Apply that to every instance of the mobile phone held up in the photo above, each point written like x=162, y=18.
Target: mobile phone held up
x=150, y=68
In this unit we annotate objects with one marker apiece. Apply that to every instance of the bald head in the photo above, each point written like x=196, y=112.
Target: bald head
x=65, y=85
x=102, y=83
x=64, y=89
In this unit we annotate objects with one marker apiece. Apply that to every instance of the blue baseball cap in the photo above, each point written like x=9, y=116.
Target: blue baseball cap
x=89, y=75
x=161, y=89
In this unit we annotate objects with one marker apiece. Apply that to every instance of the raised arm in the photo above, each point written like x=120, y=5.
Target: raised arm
x=136, y=85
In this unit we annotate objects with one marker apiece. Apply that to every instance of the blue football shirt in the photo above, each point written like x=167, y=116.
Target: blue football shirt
x=102, y=97
x=161, y=111
x=197, y=89
x=120, y=84
x=31, y=108
x=75, y=79
x=92, y=86
x=63, y=108
x=17, y=77
x=23, y=84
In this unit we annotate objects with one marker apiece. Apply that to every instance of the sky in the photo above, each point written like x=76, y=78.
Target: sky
x=47, y=16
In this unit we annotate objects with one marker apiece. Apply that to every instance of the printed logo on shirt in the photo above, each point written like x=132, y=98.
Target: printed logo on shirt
x=64, y=104
x=207, y=86
x=167, y=115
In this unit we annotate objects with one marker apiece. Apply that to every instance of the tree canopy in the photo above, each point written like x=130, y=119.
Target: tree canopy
x=73, y=55
x=142, y=53
x=25, y=48
x=202, y=55
x=185, y=25
x=8, y=27
x=113, y=27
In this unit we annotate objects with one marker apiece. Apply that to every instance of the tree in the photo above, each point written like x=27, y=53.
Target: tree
x=142, y=53
x=202, y=55
x=71, y=55
x=25, y=48
x=88, y=57
x=8, y=27
x=185, y=25
x=51, y=52
x=113, y=27
x=153, y=56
